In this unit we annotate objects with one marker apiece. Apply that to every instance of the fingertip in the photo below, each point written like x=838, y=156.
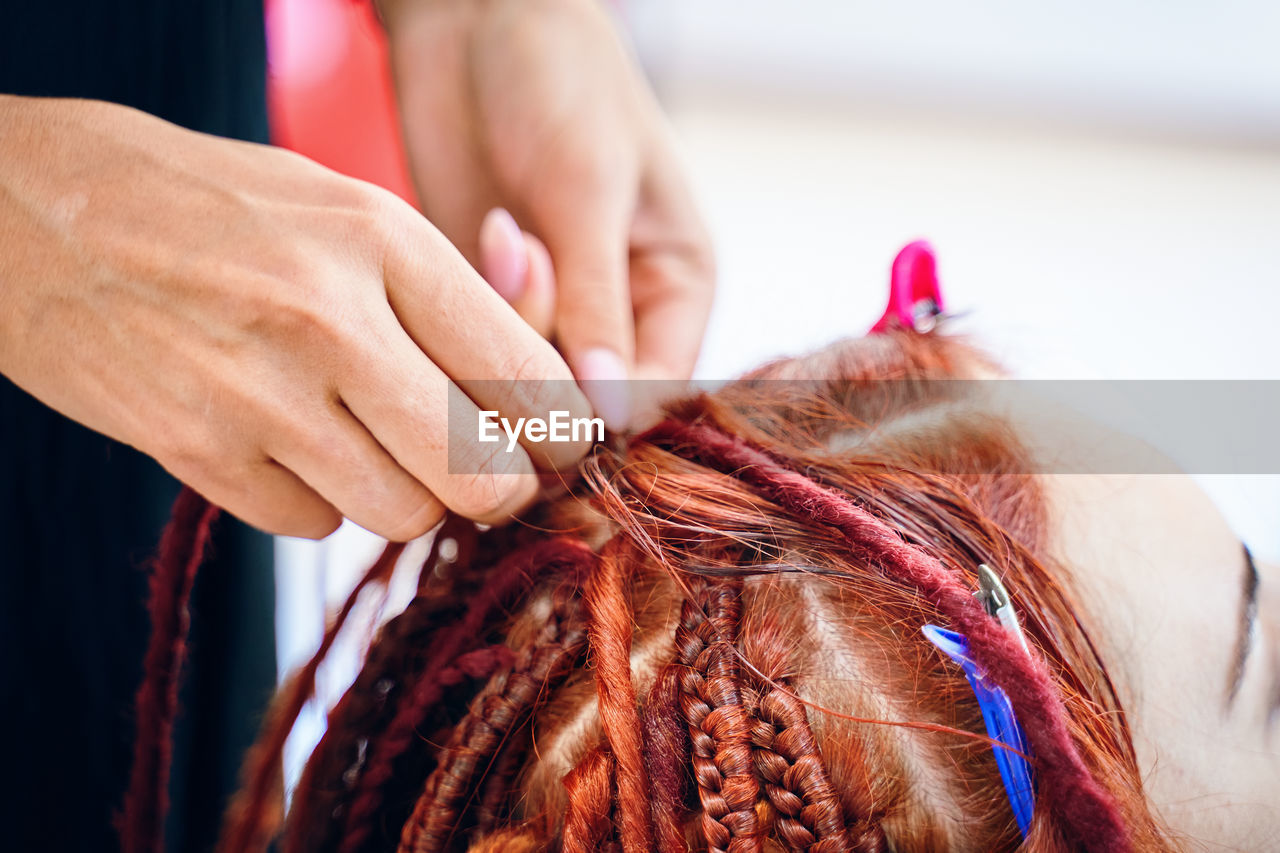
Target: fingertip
x=602, y=373
x=504, y=259
x=537, y=304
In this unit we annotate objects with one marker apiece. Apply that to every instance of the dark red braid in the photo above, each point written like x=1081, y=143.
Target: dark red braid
x=511, y=576
x=181, y=551
x=245, y=825
x=1087, y=813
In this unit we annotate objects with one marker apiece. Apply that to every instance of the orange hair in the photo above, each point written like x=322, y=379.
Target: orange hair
x=718, y=647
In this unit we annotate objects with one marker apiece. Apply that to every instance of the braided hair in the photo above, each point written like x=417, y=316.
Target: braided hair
x=712, y=643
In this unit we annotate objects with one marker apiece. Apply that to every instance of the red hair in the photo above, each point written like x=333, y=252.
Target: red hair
x=719, y=647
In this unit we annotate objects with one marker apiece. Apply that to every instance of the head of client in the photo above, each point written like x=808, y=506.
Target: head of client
x=717, y=642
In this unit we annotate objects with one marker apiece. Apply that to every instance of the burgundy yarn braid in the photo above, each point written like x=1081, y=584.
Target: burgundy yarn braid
x=1088, y=815
x=666, y=754
x=515, y=573
x=369, y=704
x=181, y=551
x=244, y=827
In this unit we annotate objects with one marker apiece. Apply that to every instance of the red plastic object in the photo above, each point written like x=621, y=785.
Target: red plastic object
x=329, y=89
x=915, y=298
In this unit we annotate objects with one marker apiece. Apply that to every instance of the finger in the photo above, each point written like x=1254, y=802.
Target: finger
x=518, y=267
x=430, y=427
x=477, y=339
x=584, y=225
x=504, y=261
x=269, y=497
x=536, y=305
x=338, y=457
x=673, y=296
x=672, y=275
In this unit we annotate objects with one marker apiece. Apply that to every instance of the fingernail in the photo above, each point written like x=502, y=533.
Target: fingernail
x=603, y=377
x=503, y=260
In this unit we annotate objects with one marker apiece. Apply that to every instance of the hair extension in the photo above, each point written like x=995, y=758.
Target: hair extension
x=514, y=839
x=611, y=627
x=245, y=826
x=719, y=727
x=1066, y=788
x=588, y=822
x=666, y=752
x=499, y=783
x=795, y=780
x=512, y=575
x=369, y=704
x=502, y=706
x=181, y=551
x=858, y=495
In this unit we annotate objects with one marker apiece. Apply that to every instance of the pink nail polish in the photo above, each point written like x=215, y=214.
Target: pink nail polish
x=602, y=375
x=503, y=260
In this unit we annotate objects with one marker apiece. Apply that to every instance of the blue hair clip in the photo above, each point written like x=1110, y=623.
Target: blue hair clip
x=997, y=711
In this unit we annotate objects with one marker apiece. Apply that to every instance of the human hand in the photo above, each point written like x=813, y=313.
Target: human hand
x=535, y=106
x=278, y=336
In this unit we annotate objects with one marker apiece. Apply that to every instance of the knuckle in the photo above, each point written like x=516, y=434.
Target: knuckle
x=489, y=493
x=416, y=521
x=481, y=496
x=314, y=524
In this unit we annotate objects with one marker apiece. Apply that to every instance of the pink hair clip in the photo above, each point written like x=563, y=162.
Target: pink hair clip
x=915, y=300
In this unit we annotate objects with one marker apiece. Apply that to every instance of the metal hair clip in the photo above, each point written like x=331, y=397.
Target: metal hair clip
x=995, y=598
x=997, y=711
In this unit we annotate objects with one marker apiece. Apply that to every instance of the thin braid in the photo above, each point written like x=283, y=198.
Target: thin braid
x=517, y=572
x=504, y=705
x=248, y=825
x=809, y=815
x=719, y=726
x=666, y=754
x=367, y=707
x=181, y=551
x=498, y=784
x=611, y=627
x=1088, y=814
x=588, y=820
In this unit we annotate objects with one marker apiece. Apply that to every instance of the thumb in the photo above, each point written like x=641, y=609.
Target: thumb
x=595, y=326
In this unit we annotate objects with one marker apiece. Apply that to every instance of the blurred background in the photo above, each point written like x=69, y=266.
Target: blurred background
x=1101, y=181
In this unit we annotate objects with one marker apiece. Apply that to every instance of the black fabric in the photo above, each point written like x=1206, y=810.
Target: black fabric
x=80, y=514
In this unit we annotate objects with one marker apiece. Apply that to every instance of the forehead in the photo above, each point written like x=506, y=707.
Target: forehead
x=1158, y=572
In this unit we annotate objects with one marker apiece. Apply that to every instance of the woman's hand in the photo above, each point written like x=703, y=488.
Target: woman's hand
x=279, y=337
x=535, y=106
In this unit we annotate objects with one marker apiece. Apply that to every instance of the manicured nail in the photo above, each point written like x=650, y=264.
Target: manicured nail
x=504, y=261
x=603, y=375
